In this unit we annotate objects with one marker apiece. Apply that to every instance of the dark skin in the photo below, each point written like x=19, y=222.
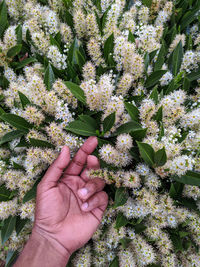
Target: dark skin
x=61, y=218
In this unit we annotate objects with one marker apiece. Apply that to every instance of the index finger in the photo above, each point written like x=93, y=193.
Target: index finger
x=76, y=165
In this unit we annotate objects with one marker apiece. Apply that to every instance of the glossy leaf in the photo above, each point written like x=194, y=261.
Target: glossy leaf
x=114, y=263
x=121, y=220
x=191, y=177
x=49, y=77
x=154, y=78
x=160, y=157
x=16, y=121
x=31, y=193
x=20, y=223
x=24, y=100
x=40, y=143
x=3, y=18
x=11, y=258
x=194, y=75
x=81, y=128
x=146, y=152
x=108, y=46
x=127, y=128
x=160, y=59
x=76, y=91
x=15, y=50
x=132, y=111
x=159, y=115
x=11, y=136
x=4, y=193
x=131, y=37
x=121, y=196
x=154, y=95
x=175, y=59
x=7, y=229
x=89, y=120
x=108, y=122
x=25, y=62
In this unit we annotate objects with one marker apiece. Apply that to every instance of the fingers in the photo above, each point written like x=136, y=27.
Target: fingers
x=91, y=187
x=92, y=163
x=99, y=200
x=56, y=169
x=76, y=165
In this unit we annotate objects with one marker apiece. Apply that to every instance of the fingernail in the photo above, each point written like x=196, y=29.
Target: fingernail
x=83, y=191
x=84, y=206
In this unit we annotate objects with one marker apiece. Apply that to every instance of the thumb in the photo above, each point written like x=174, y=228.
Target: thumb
x=56, y=169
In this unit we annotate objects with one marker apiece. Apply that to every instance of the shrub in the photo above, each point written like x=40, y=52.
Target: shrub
x=126, y=72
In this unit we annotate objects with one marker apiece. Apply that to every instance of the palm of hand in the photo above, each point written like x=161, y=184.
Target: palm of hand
x=58, y=209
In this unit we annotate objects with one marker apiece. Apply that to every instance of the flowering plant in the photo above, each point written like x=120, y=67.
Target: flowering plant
x=126, y=72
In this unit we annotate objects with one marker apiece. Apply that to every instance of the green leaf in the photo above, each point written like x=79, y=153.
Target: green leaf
x=40, y=143
x=139, y=134
x=125, y=241
x=11, y=136
x=154, y=95
x=121, y=196
x=20, y=223
x=24, y=62
x=161, y=58
x=146, y=61
x=7, y=229
x=175, y=59
x=193, y=76
x=89, y=120
x=160, y=157
x=80, y=59
x=154, y=78
x=115, y=262
x=132, y=111
x=191, y=177
x=188, y=18
x=76, y=91
x=146, y=152
x=176, y=189
x=11, y=258
x=4, y=193
x=176, y=242
x=159, y=115
x=31, y=193
x=18, y=31
x=71, y=54
x=131, y=37
x=15, y=50
x=81, y=128
x=127, y=128
x=121, y=220
x=186, y=84
x=3, y=18
x=54, y=42
x=147, y=3
x=139, y=228
x=49, y=77
x=108, y=46
x=16, y=121
x=24, y=100
x=108, y=122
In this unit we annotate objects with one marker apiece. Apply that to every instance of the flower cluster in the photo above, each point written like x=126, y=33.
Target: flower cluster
x=128, y=73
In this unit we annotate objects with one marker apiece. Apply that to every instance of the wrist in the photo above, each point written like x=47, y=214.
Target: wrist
x=40, y=235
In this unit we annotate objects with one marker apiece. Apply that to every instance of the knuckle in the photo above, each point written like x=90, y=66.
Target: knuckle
x=92, y=187
x=104, y=196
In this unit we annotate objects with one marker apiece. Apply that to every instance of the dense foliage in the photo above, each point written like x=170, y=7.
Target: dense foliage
x=127, y=72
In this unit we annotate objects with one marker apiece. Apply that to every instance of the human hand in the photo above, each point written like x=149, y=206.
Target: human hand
x=60, y=215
